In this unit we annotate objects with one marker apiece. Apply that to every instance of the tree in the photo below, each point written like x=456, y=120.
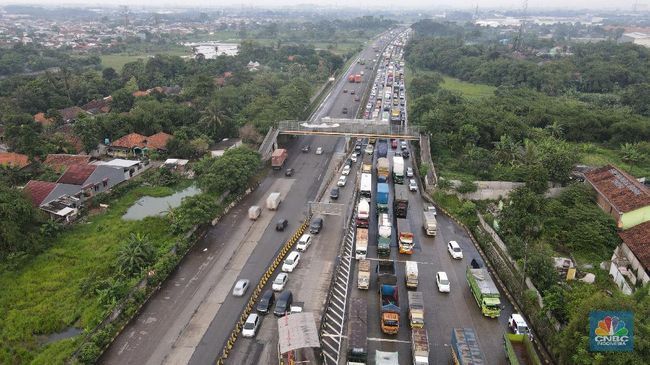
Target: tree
x=213, y=120
x=425, y=83
x=122, y=100
x=230, y=172
x=19, y=231
x=136, y=254
x=631, y=153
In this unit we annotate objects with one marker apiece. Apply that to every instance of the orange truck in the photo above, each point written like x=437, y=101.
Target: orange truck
x=357, y=78
x=278, y=158
x=351, y=78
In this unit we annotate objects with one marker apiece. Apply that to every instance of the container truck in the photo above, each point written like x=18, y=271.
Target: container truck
x=405, y=238
x=273, y=201
x=420, y=346
x=398, y=169
x=358, y=333
x=278, y=157
x=416, y=309
x=382, y=197
x=401, y=201
x=464, y=347
x=429, y=223
x=365, y=188
x=388, y=297
x=363, y=276
x=382, y=148
x=383, y=247
x=254, y=212
x=363, y=213
x=411, y=274
x=361, y=249
x=386, y=358
x=383, y=169
x=484, y=290
x=520, y=350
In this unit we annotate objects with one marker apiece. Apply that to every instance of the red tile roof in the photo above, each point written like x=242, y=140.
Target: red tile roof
x=37, y=191
x=13, y=159
x=71, y=113
x=62, y=161
x=637, y=239
x=623, y=191
x=158, y=141
x=139, y=93
x=76, y=174
x=41, y=119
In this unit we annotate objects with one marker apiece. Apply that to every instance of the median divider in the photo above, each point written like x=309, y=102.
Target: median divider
x=229, y=344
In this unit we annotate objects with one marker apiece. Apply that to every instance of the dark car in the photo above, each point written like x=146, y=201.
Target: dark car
x=305, y=148
x=352, y=92
x=334, y=193
x=316, y=225
x=289, y=172
x=283, y=303
x=281, y=225
x=345, y=110
x=405, y=154
x=393, y=143
x=357, y=98
x=266, y=302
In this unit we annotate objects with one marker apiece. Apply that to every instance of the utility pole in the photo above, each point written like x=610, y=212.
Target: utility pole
x=519, y=40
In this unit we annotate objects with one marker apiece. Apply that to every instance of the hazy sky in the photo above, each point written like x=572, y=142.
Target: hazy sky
x=387, y=4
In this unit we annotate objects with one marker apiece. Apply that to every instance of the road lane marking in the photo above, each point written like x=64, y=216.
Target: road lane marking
x=387, y=340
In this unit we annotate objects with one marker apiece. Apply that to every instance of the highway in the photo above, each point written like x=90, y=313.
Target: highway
x=190, y=317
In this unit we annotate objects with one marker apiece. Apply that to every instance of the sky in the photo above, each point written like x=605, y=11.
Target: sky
x=386, y=4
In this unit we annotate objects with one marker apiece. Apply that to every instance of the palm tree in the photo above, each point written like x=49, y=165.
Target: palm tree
x=213, y=118
x=507, y=149
x=555, y=130
x=135, y=255
x=630, y=152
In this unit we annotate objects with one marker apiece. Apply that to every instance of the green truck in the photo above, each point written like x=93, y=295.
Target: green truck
x=484, y=290
x=383, y=247
x=520, y=350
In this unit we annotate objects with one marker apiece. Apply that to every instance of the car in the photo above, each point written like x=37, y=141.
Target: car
x=406, y=153
x=413, y=186
x=240, y=287
x=280, y=281
x=283, y=303
x=352, y=92
x=403, y=145
x=409, y=172
x=345, y=111
x=289, y=172
x=316, y=225
x=397, y=153
x=357, y=147
x=518, y=325
x=306, y=148
x=357, y=98
x=443, y=282
x=346, y=170
x=393, y=143
x=304, y=242
x=291, y=262
x=251, y=325
x=266, y=301
x=370, y=149
x=454, y=250
x=430, y=208
x=281, y=224
x=342, y=181
x=345, y=91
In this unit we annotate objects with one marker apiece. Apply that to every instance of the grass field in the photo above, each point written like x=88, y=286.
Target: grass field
x=593, y=155
x=67, y=285
x=118, y=60
x=468, y=89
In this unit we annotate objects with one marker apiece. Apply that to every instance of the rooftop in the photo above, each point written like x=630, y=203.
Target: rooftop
x=77, y=174
x=13, y=159
x=623, y=191
x=61, y=161
x=37, y=191
x=637, y=239
x=158, y=141
x=119, y=162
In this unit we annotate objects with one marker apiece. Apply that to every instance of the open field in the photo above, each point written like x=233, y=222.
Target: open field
x=118, y=60
x=468, y=89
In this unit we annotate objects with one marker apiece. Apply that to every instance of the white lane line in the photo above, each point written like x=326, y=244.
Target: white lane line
x=387, y=340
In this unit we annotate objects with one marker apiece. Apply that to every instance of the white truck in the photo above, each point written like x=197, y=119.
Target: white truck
x=429, y=223
x=254, y=212
x=385, y=227
x=398, y=169
x=363, y=276
x=411, y=274
x=361, y=249
x=416, y=309
x=386, y=358
x=273, y=201
x=420, y=346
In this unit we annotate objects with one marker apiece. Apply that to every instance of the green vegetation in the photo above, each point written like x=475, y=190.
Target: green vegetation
x=467, y=89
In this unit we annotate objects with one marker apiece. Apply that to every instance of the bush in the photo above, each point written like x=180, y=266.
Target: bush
x=89, y=353
x=467, y=186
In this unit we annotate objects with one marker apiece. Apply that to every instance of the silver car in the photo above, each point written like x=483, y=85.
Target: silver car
x=240, y=287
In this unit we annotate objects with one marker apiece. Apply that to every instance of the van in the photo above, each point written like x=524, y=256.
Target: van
x=303, y=242
x=291, y=261
x=283, y=303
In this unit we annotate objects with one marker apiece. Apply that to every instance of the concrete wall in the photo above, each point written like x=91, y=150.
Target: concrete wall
x=494, y=190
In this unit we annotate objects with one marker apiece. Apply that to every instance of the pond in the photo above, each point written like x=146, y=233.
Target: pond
x=67, y=333
x=149, y=206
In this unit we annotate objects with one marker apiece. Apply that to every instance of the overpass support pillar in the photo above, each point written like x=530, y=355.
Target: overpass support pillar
x=347, y=143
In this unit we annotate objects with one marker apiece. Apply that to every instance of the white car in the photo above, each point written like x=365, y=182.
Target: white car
x=240, y=287
x=454, y=250
x=319, y=151
x=409, y=172
x=280, y=281
x=353, y=158
x=252, y=324
x=370, y=149
x=304, y=242
x=341, y=181
x=443, y=282
x=346, y=170
x=413, y=186
x=291, y=261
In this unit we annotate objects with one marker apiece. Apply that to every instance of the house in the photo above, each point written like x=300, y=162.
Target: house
x=63, y=209
x=130, y=168
x=98, y=106
x=135, y=144
x=620, y=195
x=225, y=144
x=69, y=115
x=37, y=191
x=176, y=164
x=15, y=160
x=630, y=264
x=85, y=181
x=61, y=161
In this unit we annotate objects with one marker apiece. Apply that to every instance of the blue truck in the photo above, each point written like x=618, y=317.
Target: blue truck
x=382, y=148
x=382, y=197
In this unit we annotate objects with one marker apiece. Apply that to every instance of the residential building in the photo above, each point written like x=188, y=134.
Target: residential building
x=135, y=144
x=225, y=144
x=15, y=160
x=37, y=191
x=41, y=119
x=130, y=168
x=61, y=161
x=630, y=264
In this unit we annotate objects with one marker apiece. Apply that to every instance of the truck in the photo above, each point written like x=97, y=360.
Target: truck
x=420, y=346
x=464, y=347
x=429, y=223
x=361, y=249
x=520, y=350
x=351, y=78
x=398, y=169
x=388, y=297
x=254, y=212
x=357, y=78
x=365, y=188
x=384, y=225
x=383, y=169
x=382, y=197
x=401, y=201
x=382, y=149
x=484, y=290
x=273, y=200
x=363, y=213
x=278, y=157
x=366, y=168
x=383, y=246
x=416, y=309
x=395, y=114
x=405, y=238
x=411, y=274
x=363, y=276
x=358, y=333
x=386, y=358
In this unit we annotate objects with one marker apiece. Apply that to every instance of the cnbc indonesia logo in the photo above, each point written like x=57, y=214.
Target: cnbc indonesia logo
x=611, y=331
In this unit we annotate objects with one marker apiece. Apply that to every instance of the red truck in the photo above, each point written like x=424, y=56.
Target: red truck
x=357, y=78
x=278, y=157
x=351, y=78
